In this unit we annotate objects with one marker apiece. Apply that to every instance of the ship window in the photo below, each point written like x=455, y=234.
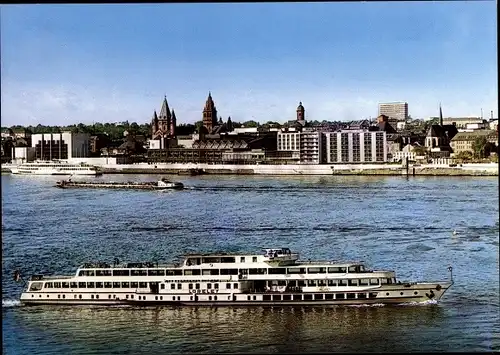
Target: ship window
x=197, y=286
x=242, y=259
x=216, y=286
x=192, y=272
x=125, y=284
x=228, y=286
x=340, y=296
x=228, y=259
x=121, y=272
x=297, y=270
x=173, y=272
x=353, y=282
x=156, y=272
x=48, y=285
x=235, y=286
x=65, y=284
x=172, y=286
x=211, y=260
x=254, y=259
x=373, y=281
x=138, y=272
x=297, y=297
x=257, y=271
x=209, y=298
x=361, y=295
x=373, y=295
x=276, y=297
x=143, y=285
x=215, y=298
x=162, y=286
x=332, y=282
x=301, y=283
x=209, y=286
x=383, y=281
x=287, y=297
x=90, y=285
x=351, y=296
x=353, y=269
x=108, y=285
x=190, y=286
x=277, y=271
x=316, y=270
x=319, y=296
x=389, y=281
x=267, y=297
x=321, y=282
x=134, y=284
x=311, y=283
x=334, y=269
x=82, y=285
x=179, y=286
x=329, y=296
x=116, y=284
x=64, y=296
x=36, y=286
x=103, y=273
x=57, y=285
x=249, y=298
x=308, y=297
x=342, y=282
x=363, y=282
x=229, y=271
x=96, y=296
x=80, y=296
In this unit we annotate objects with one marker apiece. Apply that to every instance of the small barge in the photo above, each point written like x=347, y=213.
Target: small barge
x=162, y=184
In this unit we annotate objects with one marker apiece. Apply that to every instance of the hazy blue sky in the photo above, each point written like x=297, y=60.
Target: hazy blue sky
x=65, y=64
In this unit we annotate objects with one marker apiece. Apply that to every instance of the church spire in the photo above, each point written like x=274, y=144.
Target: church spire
x=440, y=115
x=165, y=111
x=173, y=124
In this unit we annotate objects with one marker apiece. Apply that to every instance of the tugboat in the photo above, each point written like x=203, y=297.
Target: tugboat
x=162, y=184
x=274, y=278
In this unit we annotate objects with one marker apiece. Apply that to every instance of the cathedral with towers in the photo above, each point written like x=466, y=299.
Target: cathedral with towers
x=163, y=126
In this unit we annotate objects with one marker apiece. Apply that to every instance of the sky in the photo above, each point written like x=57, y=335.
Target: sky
x=69, y=63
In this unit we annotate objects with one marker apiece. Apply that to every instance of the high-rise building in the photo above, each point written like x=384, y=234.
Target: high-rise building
x=395, y=110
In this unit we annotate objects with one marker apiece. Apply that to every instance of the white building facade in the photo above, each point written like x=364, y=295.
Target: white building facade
x=395, y=110
x=357, y=146
x=66, y=145
x=311, y=147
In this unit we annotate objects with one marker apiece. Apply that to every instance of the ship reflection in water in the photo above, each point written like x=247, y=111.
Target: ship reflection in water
x=219, y=330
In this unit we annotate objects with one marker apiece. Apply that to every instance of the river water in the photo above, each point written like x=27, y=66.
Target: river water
x=396, y=223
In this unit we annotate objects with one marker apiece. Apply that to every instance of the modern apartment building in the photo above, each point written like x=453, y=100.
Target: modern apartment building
x=66, y=145
x=395, y=110
x=356, y=147
x=311, y=147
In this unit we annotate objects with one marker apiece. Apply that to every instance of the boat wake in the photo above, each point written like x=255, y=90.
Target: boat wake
x=424, y=303
x=10, y=303
x=366, y=305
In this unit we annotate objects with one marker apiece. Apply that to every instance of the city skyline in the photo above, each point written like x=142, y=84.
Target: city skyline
x=65, y=64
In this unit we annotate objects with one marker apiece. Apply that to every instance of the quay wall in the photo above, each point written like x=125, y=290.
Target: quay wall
x=298, y=169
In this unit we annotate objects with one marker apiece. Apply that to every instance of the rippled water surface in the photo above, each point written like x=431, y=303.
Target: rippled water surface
x=388, y=222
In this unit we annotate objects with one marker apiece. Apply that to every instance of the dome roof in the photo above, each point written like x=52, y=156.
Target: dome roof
x=300, y=107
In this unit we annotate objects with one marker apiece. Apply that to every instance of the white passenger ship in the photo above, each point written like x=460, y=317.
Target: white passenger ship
x=54, y=167
x=275, y=277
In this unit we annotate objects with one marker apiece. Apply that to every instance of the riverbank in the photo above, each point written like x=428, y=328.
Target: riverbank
x=489, y=169
x=297, y=169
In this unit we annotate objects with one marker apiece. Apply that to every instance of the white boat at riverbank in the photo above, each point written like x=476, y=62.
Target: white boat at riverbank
x=275, y=277
x=54, y=167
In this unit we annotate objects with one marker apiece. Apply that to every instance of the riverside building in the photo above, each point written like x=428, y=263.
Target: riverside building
x=356, y=147
x=66, y=145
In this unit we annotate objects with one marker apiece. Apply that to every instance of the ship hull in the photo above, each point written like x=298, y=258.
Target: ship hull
x=417, y=293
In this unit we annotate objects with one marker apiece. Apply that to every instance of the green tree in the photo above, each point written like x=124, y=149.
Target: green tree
x=251, y=123
x=464, y=155
x=478, y=146
x=420, y=150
